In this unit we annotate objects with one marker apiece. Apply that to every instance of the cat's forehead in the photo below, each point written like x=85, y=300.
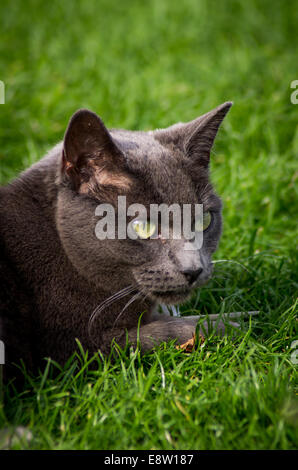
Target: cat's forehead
x=135, y=144
x=161, y=170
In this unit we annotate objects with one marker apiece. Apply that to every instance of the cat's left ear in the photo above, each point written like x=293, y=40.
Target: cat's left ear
x=90, y=153
x=196, y=137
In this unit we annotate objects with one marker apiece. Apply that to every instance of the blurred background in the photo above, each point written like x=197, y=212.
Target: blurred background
x=148, y=64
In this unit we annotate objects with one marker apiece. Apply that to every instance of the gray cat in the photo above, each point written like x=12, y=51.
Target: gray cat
x=60, y=282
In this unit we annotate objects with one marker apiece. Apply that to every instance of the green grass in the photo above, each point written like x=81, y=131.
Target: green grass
x=142, y=65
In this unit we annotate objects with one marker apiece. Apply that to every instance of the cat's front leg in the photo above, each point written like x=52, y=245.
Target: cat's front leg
x=150, y=334
x=173, y=328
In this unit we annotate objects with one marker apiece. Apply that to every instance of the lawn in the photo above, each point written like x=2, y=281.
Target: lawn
x=143, y=65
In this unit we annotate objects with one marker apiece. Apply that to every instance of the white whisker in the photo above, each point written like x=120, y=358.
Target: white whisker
x=118, y=295
x=126, y=306
x=230, y=261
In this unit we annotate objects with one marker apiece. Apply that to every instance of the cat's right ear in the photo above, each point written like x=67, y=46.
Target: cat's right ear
x=196, y=137
x=89, y=148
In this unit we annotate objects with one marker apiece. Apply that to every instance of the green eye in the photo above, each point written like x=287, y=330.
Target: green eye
x=143, y=228
x=199, y=227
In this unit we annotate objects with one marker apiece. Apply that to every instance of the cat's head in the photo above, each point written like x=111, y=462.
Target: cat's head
x=165, y=166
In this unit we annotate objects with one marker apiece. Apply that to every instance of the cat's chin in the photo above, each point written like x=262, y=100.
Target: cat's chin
x=171, y=297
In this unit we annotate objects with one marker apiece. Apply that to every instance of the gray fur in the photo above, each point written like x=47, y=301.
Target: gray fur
x=55, y=272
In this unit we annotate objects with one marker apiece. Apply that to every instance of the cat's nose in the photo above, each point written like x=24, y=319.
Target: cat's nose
x=192, y=274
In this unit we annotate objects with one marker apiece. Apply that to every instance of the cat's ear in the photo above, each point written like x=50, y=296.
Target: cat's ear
x=196, y=137
x=89, y=149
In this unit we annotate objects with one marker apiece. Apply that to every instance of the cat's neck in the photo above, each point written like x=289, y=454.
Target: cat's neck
x=28, y=225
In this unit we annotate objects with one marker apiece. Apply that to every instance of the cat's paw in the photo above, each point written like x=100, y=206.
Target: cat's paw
x=220, y=328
